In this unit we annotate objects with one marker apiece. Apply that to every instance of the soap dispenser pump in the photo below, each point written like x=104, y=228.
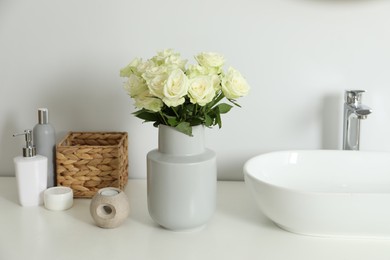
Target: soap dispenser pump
x=31, y=173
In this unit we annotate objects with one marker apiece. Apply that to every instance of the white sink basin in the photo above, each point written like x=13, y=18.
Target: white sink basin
x=324, y=192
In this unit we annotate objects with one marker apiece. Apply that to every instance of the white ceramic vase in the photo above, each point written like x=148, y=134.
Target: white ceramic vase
x=181, y=180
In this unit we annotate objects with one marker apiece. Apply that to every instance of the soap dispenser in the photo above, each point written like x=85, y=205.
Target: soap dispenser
x=45, y=141
x=31, y=173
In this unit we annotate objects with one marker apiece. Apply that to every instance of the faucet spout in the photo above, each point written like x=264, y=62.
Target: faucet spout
x=362, y=111
x=354, y=112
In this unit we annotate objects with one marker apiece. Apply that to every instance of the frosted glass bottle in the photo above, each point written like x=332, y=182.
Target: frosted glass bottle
x=31, y=174
x=44, y=141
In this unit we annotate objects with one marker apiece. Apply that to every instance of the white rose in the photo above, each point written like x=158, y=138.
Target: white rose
x=162, y=56
x=175, y=61
x=131, y=68
x=142, y=67
x=196, y=70
x=169, y=58
x=216, y=82
x=156, y=85
x=234, y=85
x=156, y=78
x=144, y=100
x=175, y=88
x=210, y=60
x=201, y=90
x=135, y=85
x=153, y=71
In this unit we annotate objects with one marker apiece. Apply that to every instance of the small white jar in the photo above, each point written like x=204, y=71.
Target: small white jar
x=58, y=198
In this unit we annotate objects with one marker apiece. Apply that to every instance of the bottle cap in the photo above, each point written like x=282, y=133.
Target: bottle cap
x=43, y=116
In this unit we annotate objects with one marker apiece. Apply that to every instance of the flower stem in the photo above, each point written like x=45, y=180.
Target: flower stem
x=163, y=118
x=174, y=111
x=220, y=96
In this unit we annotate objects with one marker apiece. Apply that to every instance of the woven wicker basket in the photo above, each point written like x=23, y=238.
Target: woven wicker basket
x=89, y=161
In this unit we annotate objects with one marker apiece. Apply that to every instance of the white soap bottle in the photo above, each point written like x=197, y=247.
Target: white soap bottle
x=45, y=141
x=31, y=174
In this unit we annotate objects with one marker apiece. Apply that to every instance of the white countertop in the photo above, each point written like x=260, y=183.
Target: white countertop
x=238, y=230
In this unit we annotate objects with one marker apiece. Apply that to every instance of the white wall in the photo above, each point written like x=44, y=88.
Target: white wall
x=297, y=55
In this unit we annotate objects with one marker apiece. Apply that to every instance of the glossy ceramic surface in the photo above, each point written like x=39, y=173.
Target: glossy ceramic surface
x=324, y=192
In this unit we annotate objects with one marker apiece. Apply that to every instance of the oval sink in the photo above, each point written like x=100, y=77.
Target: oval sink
x=324, y=192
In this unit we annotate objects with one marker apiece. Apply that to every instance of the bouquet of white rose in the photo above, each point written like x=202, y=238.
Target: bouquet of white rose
x=168, y=93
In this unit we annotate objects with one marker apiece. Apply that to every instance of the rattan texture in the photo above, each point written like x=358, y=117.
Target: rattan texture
x=89, y=161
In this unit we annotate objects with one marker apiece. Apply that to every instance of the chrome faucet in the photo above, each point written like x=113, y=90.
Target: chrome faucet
x=354, y=111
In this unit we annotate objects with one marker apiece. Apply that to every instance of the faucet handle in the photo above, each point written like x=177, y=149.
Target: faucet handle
x=353, y=96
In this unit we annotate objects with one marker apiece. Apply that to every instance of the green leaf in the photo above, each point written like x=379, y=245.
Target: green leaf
x=218, y=118
x=196, y=121
x=190, y=108
x=172, y=121
x=208, y=121
x=185, y=128
x=224, y=108
x=146, y=115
